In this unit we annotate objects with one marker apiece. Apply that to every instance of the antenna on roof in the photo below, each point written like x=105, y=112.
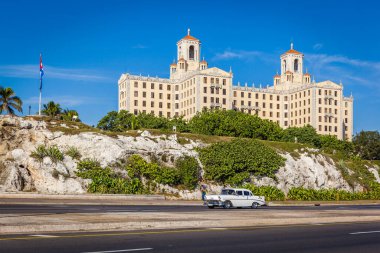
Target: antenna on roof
x=291, y=43
x=188, y=31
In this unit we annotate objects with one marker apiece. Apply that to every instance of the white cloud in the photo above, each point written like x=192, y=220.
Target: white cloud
x=349, y=70
x=317, y=46
x=32, y=71
x=64, y=101
x=230, y=54
x=327, y=59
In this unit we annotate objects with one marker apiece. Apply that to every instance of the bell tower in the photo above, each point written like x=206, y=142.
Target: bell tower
x=189, y=50
x=292, y=64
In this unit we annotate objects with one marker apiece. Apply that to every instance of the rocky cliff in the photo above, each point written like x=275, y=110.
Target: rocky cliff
x=20, y=172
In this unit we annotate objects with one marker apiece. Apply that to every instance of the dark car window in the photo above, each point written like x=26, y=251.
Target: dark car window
x=227, y=192
x=240, y=193
x=246, y=193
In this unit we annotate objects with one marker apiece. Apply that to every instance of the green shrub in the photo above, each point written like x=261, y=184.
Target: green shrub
x=53, y=152
x=138, y=167
x=306, y=134
x=188, y=169
x=234, y=123
x=271, y=193
x=332, y=194
x=105, y=180
x=40, y=153
x=167, y=176
x=223, y=161
x=74, y=153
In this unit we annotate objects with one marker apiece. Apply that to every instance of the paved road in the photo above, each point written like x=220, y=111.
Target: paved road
x=69, y=208
x=319, y=238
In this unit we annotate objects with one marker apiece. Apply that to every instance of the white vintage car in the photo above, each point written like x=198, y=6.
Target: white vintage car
x=230, y=197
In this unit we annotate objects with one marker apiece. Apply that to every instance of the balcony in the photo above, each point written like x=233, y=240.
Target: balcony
x=249, y=107
x=330, y=115
x=216, y=85
x=328, y=97
x=215, y=105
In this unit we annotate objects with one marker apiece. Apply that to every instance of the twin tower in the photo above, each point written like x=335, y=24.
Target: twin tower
x=188, y=60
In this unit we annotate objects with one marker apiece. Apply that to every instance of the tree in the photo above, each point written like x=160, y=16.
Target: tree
x=108, y=122
x=330, y=143
x=68, y=115
x=51, y=109
x=235, y=161
x=306, y=134
x=367, y=145
x=125, y=121
x=150, y=121
x=9, y=102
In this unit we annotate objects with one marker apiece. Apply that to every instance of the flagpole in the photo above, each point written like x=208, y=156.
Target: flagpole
x=41, y=74
x=39, y=103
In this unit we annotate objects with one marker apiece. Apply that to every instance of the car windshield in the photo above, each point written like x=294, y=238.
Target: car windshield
x=227, y=192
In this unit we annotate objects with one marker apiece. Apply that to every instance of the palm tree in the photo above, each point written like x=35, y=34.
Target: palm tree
x=51, y=109
x=134, y=122
x=68, y=115
x=9, y=102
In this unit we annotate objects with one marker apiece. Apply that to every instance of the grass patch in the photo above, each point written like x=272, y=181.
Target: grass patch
x=376, y=162
x=208, y=139
x=183, y=141
x=73, y=152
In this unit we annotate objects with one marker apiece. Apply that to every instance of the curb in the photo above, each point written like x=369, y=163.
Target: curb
x=80, y=196
x=322, y=203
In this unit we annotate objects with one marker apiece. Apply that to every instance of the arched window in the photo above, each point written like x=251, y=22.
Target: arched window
x=191, y=53
x=296, y=65
x=284, y=66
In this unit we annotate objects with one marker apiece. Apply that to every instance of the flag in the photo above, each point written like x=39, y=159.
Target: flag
x=41, y=71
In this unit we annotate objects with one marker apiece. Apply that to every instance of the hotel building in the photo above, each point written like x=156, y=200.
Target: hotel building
x=294, y=100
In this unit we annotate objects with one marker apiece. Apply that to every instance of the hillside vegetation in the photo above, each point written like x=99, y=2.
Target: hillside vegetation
x=230, y=159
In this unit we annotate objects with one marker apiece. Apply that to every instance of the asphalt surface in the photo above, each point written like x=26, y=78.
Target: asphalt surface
x=69, y=208
x=347, y=238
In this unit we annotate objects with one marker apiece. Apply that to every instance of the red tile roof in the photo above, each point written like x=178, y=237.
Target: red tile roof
x=292, y=51
x=189, y=37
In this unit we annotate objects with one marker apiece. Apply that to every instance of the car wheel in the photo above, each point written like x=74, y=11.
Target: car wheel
x=211, y=207
x=227, y=205
x=255, y=205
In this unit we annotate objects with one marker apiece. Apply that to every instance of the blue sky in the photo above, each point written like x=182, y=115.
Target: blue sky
x=87, y=45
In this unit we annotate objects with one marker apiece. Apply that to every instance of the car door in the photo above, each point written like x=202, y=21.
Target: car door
x=239, y=198
x=247, y=198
